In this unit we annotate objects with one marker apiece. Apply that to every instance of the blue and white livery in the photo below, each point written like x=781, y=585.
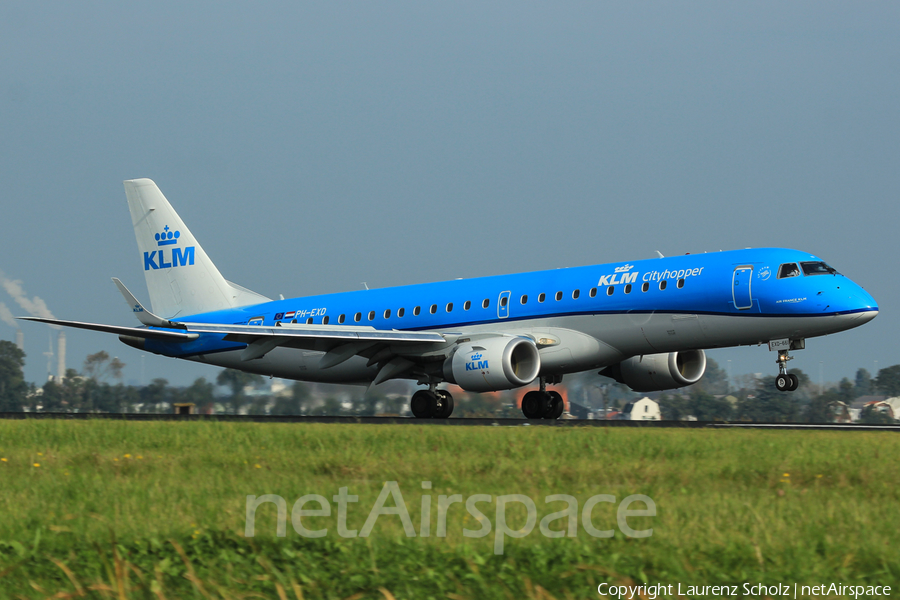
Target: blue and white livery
x=645, y=323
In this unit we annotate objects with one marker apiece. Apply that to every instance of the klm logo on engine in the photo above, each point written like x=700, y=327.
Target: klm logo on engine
x=166, y=258
x=620, y=276
x=475, y=363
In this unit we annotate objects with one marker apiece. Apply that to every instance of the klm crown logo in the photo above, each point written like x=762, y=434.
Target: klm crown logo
x=174, y=257
x=624, y=268
x=475, y=363
x=167, y=237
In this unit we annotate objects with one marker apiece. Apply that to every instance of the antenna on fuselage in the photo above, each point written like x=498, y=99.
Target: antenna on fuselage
x=660, y=254
x=364, y=284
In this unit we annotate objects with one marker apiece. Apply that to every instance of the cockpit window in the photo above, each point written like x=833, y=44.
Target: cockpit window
x=788, y=270
x=817, y=268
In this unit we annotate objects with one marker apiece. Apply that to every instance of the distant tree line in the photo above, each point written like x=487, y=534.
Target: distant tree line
x=758, y=400
x=98, y=388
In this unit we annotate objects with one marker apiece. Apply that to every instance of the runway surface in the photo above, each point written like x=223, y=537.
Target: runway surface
x=463, y=422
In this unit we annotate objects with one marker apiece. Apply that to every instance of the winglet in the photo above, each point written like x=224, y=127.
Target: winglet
x=143, y=315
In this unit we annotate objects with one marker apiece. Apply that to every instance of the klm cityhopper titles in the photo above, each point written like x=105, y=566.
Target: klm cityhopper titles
x=644, y=323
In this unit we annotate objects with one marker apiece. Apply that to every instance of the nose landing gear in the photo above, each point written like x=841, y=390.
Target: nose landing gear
x=785, y=382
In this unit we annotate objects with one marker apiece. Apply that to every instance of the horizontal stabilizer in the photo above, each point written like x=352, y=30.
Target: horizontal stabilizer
x=139, y=332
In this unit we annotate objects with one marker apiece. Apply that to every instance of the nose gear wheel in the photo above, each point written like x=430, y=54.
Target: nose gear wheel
x=785, y=382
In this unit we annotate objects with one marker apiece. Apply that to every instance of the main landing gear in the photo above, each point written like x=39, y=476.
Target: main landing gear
x=785, y=382
x=541, y=404
x=431, y=404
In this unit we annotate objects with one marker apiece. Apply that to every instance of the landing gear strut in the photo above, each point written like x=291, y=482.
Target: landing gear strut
x=431, y=404
x=785, y=382
x=541, y=404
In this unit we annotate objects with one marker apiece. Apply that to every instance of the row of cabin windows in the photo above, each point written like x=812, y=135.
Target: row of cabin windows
x=610, y=290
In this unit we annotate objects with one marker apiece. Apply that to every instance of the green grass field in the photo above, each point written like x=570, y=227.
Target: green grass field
x=158, y=510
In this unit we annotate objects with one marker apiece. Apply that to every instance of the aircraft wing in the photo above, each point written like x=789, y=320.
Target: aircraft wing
x=140, y=332
x=396, y=352
x=261, y=340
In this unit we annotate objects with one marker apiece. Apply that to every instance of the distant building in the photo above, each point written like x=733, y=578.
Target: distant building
x=889, y=406
x=644, y=409
x=856, y=407
x=842, y=413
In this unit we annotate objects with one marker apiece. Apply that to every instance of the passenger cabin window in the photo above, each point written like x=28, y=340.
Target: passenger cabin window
x=662, y=284
x=628, y=288
x=558, y=296
x=357, y=317
x=593, y=293
x=449, y=307
x=401, y=312
x=645, y=286
x=504, y=300
x=575, y=294
x=324, y=320
x=433, y=309
x=417, y=310
x=680, y=283
x=788, y=270
x=387, y=313
x=486, y=303
x=817, y=268
x=610, y=290
x=371, y=315
x=309, y=321
x=467, y=305
x=341, y=319
x=542, y=297
x=524, y=299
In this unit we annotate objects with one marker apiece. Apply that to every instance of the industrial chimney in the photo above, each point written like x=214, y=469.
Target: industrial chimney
x=61, y=356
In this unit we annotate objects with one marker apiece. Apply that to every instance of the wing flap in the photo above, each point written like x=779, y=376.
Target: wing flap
x=249, y=333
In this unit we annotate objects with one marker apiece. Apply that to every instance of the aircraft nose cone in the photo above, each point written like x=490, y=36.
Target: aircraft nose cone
x=865, y=317
x=866, y=300
x=866, y=306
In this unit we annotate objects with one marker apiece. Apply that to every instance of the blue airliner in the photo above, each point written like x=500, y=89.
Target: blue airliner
x=644, y=323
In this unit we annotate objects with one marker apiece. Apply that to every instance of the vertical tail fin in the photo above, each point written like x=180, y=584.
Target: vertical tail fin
x=181, y=278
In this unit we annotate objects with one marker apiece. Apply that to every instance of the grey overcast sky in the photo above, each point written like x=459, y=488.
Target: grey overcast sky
x=311, y=147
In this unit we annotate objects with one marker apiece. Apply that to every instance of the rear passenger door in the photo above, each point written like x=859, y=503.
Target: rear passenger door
x=503, y=305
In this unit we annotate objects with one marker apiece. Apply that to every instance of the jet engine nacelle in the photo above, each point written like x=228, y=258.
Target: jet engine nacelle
x=654, y=372
x=493, y=364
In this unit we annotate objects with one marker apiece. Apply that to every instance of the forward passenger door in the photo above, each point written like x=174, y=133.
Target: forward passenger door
x=740, y=287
